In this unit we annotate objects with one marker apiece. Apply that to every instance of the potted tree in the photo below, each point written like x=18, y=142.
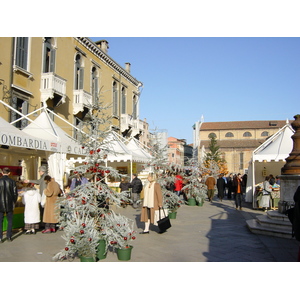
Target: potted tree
x=120, y=234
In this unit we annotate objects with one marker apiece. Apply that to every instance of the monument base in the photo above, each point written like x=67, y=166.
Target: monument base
x=288, y=187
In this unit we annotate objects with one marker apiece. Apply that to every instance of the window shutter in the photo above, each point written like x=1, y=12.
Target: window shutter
x=81, y=74
x=52, y=60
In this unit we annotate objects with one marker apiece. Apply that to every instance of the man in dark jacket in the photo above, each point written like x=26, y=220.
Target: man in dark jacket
x=8, y=198
x=136, y=188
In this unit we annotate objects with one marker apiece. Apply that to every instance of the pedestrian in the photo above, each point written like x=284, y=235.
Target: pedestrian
x=153, y=200
x=42, y=186
x=124, y=187
x=210, y=183
x=221, y=187
x=238, y=190
x=277, y=180
x=178, y=184
x=52, y=191
x=8, y=198
x=136, y=188
x=41, y=180
x=229, y=186
x=31, y=199
x=78, y=180
x=266, y=194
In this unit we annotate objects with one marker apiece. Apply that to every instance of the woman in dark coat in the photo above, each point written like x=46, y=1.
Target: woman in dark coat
x=221, y=187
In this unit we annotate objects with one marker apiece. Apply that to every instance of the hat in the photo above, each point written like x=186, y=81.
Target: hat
x=42, y=169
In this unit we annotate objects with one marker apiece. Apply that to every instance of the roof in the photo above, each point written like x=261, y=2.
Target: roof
x=243, y=125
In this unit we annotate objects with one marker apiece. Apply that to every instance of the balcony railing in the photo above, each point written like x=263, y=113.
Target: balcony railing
x=81, y=98
x=127, y=122
x=52, y=84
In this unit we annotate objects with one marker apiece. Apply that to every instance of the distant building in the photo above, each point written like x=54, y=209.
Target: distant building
x=178, y=151
x=236, y=140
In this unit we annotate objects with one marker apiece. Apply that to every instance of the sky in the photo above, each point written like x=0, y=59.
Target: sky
x=220, y=78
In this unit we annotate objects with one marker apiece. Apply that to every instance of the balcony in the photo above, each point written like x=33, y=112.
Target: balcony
x=130, y=126
x=51, y=85
x=81, y=98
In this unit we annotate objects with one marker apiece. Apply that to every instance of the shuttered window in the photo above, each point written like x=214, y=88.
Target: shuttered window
x=115, y=99
x=22, y=52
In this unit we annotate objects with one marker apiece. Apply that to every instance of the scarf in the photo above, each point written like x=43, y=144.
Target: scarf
x=149, y=195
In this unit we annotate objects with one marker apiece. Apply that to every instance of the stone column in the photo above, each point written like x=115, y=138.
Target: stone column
x=290, y=173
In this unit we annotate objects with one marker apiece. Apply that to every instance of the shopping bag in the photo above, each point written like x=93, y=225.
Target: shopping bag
x=164, y=222
x=157, y=215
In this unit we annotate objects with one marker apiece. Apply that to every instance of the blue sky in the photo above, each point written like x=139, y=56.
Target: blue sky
x=223, y=79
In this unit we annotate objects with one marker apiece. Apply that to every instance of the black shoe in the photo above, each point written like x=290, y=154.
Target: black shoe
x=144, y=232
x=160, y=232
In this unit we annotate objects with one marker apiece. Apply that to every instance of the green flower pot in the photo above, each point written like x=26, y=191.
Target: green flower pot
x=101, y=254
x=124, y=253
x=191, y=202
x=172, y=215
x=200, y=203
x=86, y=259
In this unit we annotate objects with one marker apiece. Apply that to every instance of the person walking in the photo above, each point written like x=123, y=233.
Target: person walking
x=124, y=187
x=31, y=199
x=229, y=186
x=221, y=187
x=52, y=191
x=210, y=183
x=8, y=198
x=178, y=184
x=136, y=188
x=238, y=190
x=153, y=200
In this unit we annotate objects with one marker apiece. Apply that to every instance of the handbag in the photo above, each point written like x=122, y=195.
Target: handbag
x=164, y=223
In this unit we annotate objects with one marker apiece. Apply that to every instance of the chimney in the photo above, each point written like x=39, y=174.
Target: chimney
x=103, y=45
x=127, y=67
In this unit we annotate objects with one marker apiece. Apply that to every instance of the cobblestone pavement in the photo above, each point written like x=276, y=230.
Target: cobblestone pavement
x=215, y=232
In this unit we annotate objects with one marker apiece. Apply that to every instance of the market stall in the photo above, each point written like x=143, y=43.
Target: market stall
x=268, y=159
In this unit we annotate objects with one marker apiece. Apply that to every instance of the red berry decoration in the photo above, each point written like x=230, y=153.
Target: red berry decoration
x=98, y=150
x=107, y=171
x=83, y=202
x=125, y=238
x=133, y=237
x=72, y=241
x=66, y=248
x=83, y=225
x=92, y=152
x=81, y=231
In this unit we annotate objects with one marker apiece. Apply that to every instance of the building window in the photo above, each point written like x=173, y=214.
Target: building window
x=212, y=135
x=229, y=134
x=95, y=86
x=79, y=73
x=115, y=99
x=49, y=56
x=22, y=52
x=123, y=100
x=241, y=160
x=265, y=133
x=247, y=134
x=20, y=105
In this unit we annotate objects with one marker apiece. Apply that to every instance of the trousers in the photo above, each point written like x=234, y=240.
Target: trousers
x=9, y=217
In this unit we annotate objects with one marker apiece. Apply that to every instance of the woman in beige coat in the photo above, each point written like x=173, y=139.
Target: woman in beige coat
x=52, y=191
x=153, y=199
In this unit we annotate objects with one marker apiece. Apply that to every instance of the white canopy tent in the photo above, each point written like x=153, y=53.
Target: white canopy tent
x=44, y=127
x=121, y=150
x=268, y=159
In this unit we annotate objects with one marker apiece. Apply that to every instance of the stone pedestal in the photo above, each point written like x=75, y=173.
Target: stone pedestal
x=288, y=187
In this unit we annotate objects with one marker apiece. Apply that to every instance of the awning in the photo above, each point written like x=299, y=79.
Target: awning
x=12, y=136
x=44, y=127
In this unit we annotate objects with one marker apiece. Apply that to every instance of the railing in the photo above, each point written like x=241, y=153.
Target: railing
x=80, y=99
x=127, y=122
x=53, y=84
